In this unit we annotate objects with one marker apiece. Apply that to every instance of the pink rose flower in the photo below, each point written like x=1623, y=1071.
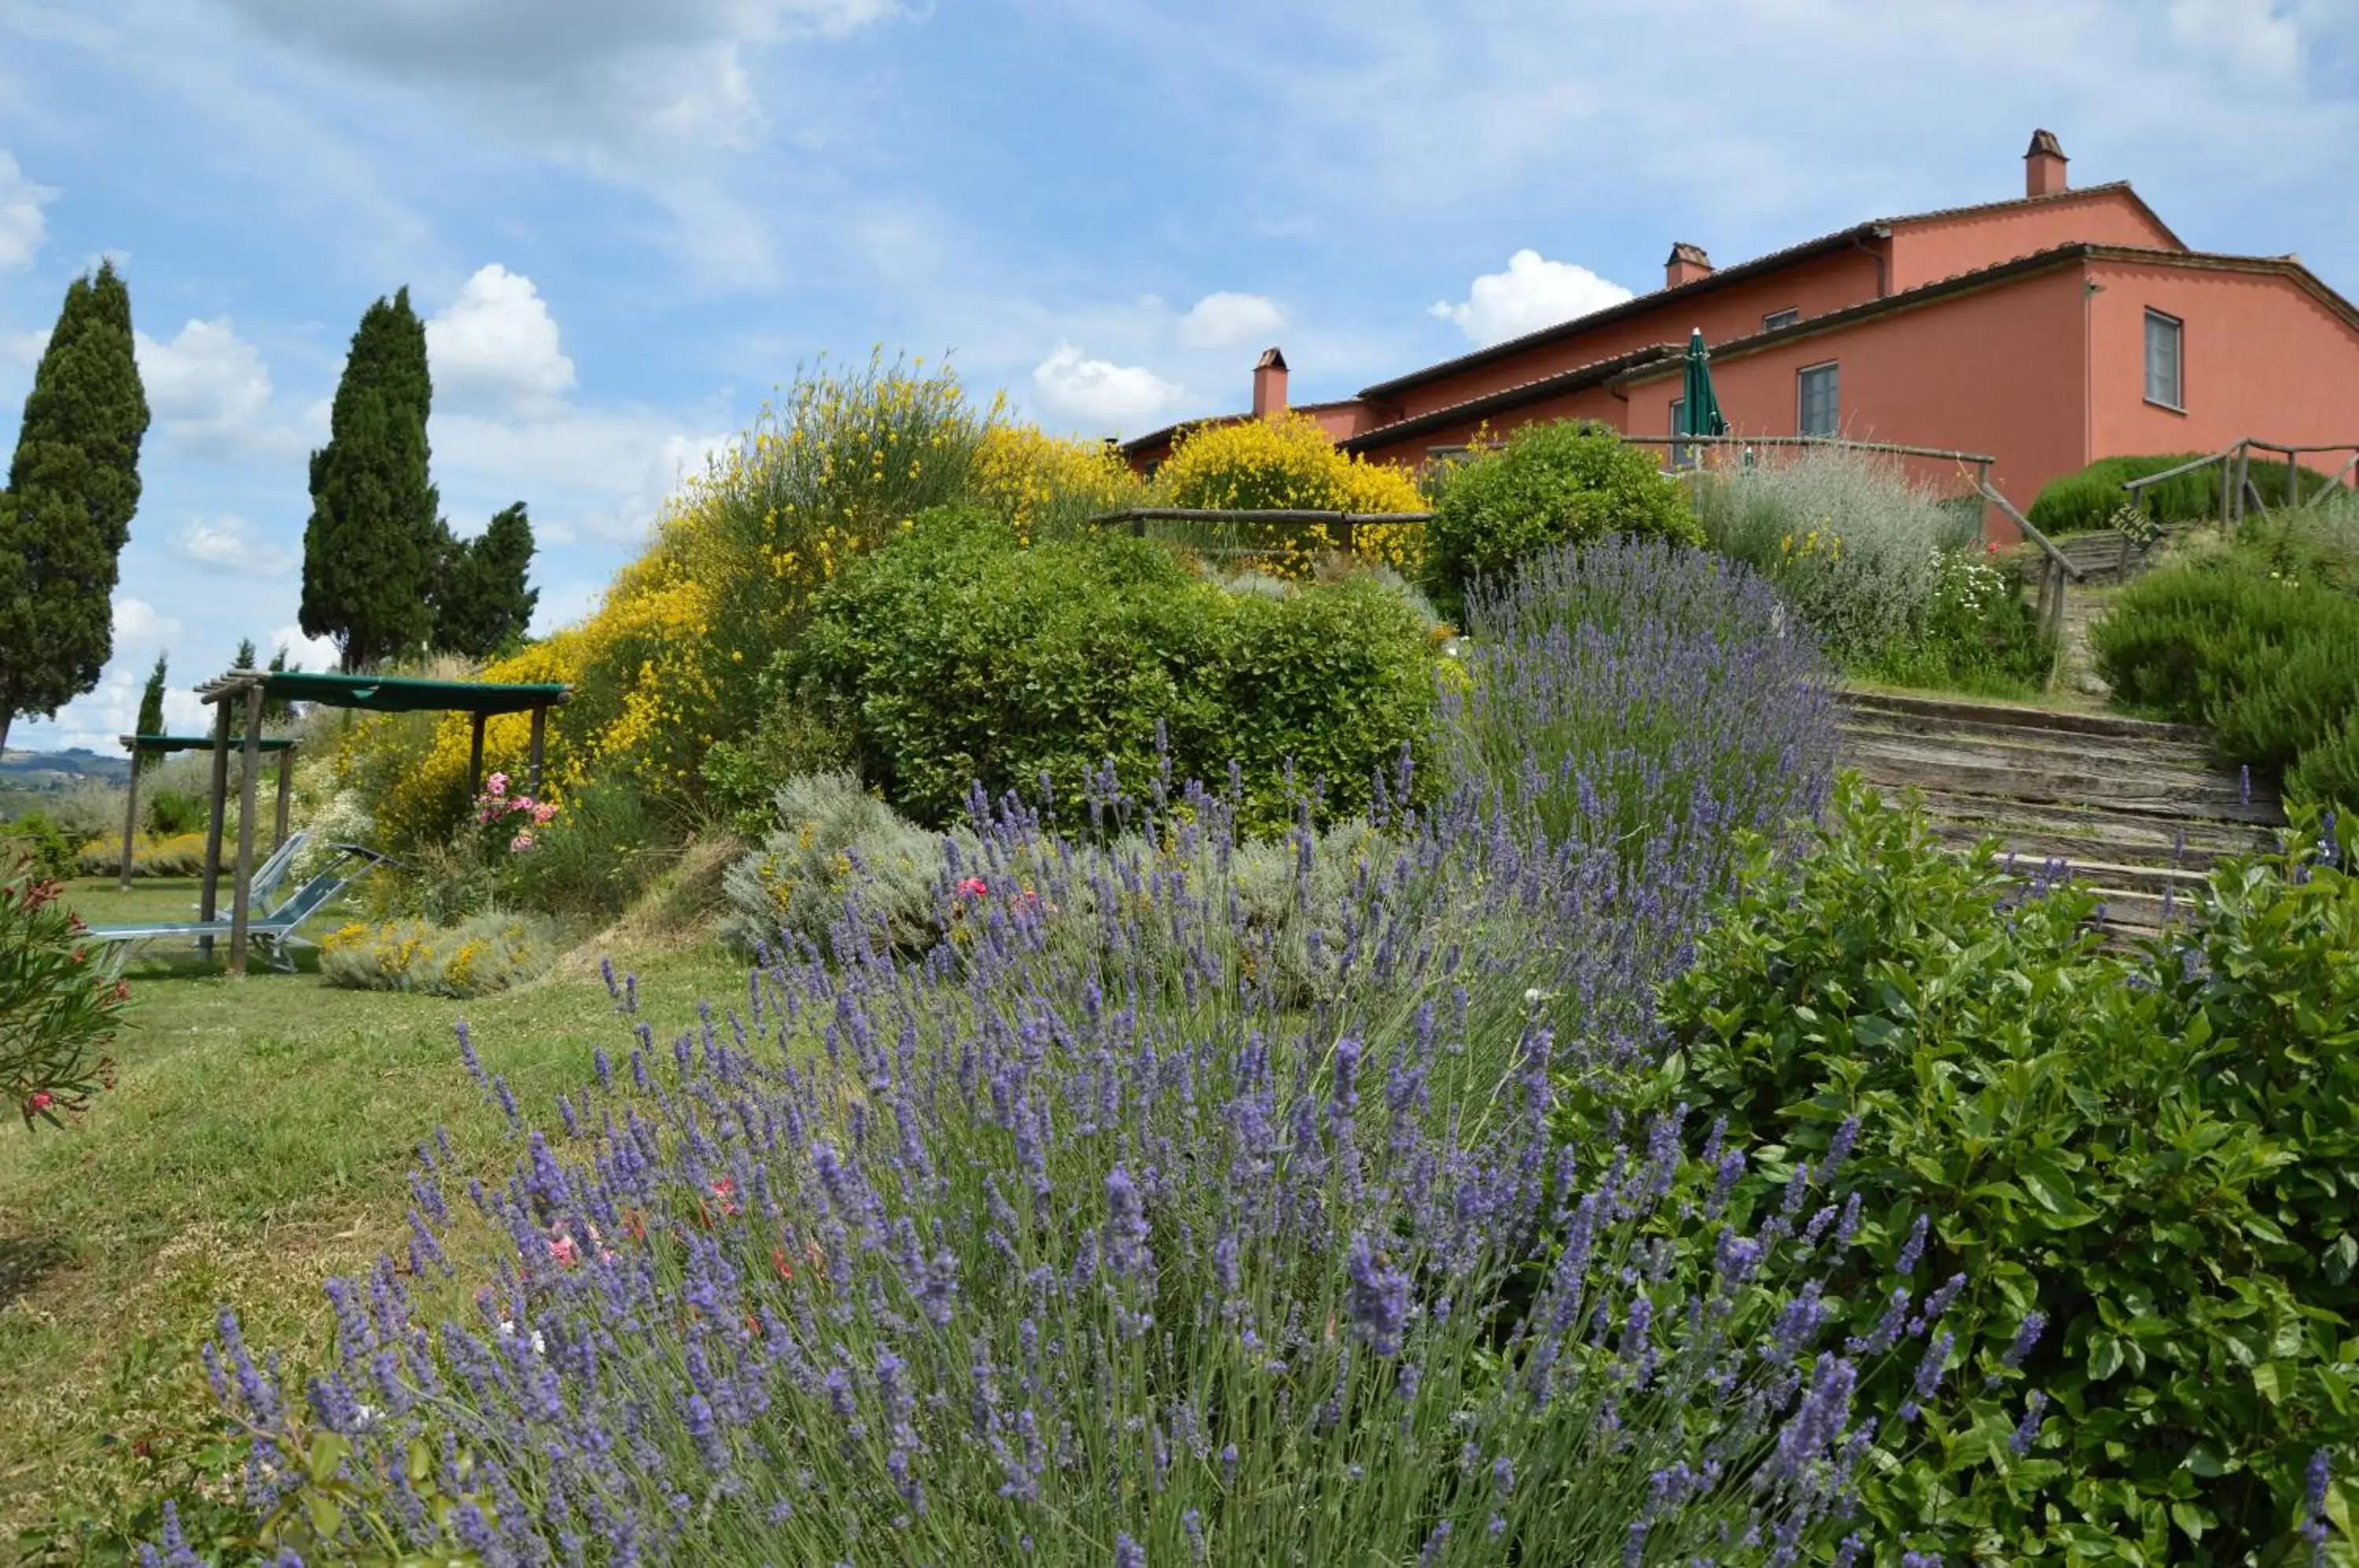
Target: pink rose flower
x=521, y=843
x=496, y=785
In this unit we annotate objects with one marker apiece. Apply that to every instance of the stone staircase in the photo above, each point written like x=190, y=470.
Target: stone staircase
x=2135, y=810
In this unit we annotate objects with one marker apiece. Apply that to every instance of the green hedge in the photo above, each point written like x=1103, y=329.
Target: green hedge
x=2156, y=1152
x=954, y=655
x=2086, y=501
x=1565, y=482
x=2267, y=656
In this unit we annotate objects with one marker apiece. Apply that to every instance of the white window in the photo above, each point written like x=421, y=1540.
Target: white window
x=2165, y=367
x=1776, y=319
x=1820, y=410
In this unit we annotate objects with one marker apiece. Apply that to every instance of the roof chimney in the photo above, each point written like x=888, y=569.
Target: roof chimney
x=1269, y=386
x=1686, y=263
x=2043, y=166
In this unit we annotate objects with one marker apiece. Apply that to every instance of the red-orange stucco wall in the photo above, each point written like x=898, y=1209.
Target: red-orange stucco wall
x=1998, y=371
x=2264, y=358
x=1931, y=249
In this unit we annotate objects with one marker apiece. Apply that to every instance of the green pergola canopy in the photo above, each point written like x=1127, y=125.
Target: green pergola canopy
x=394, y=693
x=159, y=743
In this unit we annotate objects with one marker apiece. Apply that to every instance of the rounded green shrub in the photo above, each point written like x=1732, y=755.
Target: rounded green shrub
x=1561, y=482
x=956, y=656
x=2087, y=500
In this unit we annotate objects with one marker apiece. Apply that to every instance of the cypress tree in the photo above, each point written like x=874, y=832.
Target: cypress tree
x=371, y=549
x=482, y=602
x=151, y=713
x=73, y=486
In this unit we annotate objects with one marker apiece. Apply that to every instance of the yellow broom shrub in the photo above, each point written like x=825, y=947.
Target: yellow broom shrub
x=1289, y=464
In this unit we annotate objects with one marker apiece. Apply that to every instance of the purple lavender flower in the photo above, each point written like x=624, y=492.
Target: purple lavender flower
x=2026, y=1431
x=1378, y=1298
x=1912, y=1249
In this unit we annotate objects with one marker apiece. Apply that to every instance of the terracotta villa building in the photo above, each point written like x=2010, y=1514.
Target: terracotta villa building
x=2046, y=331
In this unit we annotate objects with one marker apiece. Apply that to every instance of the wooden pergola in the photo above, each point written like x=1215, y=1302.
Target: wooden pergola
x=482, y=700
x=162, y=746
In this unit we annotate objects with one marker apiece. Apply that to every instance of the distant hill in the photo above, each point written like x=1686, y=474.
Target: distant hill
x=60, y=769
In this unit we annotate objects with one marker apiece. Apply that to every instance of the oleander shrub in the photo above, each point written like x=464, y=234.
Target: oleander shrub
x=1852, y=543
x=955, y=656
x=62, y=999
x=2271, y=660
x=591, y=859
x=2140, y=1164
x=1550, y=483
x=1030, y=1248
x=487, y=954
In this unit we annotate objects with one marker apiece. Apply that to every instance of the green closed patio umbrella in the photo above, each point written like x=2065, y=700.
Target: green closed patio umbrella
x=1699, y=408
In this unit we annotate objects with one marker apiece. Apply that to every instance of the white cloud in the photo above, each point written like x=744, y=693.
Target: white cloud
x=304, y=652
x=1534, y=292
x=497, y=350
x=227, y=544
x=616, y=76
x=99, y=718
x=210, y=392
x=1223, y=319
x=1101, y=393
x=22, y=225
x=140, y=629
x=582, y=473
x=24, y=348
x=2255, y=39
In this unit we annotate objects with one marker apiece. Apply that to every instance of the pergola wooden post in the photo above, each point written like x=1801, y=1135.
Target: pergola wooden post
x=376, y=693
x=285, y=793
x=475, y=757
x=208, y=898
x=130, y=816
x=241, y=895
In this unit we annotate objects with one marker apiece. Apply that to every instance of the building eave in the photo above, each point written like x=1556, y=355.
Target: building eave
x=1597, y=373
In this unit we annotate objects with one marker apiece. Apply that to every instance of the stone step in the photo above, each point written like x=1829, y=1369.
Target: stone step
x=1968, y=710
x=2103, y=837
x=2059, y=778
x=2142, y=751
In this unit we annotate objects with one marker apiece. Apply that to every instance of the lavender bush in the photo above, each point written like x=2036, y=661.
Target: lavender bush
x=1639, y=699
x=1186, y=1201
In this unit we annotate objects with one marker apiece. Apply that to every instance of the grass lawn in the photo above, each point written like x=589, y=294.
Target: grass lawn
x=258, y=1140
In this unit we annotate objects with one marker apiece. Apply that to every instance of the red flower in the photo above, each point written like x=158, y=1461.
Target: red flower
x=122, y=990
x=41, y=1101
x=974, y=888
x=727, y=1190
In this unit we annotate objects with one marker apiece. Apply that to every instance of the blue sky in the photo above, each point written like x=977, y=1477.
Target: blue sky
x=628, y=221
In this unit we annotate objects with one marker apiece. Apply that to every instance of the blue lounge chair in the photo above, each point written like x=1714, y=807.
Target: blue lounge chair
x=276, y=930
x=273, y=871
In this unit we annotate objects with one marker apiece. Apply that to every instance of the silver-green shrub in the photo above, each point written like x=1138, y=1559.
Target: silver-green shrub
x=1847, y=538
x=832, y=837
